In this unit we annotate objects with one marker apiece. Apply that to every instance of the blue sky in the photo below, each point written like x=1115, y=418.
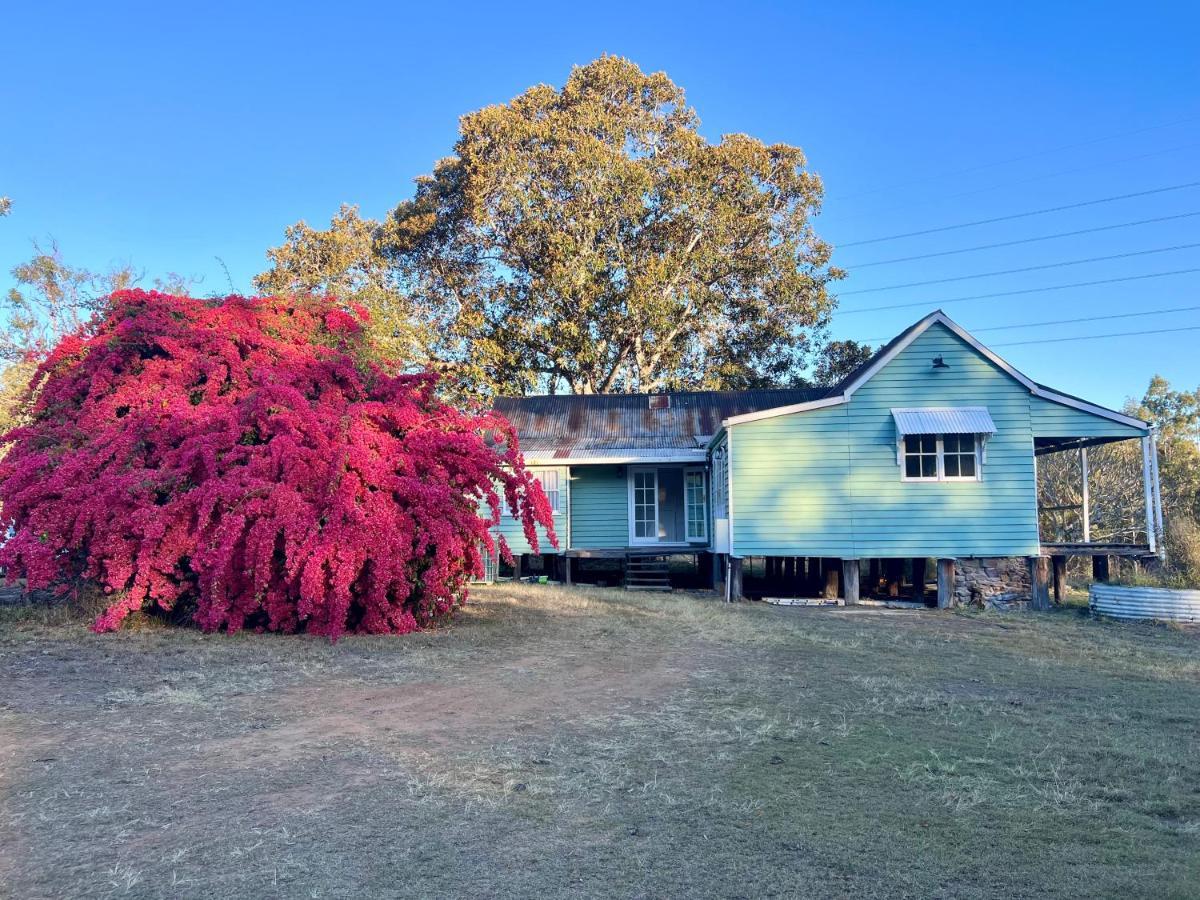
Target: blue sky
x=169, y=135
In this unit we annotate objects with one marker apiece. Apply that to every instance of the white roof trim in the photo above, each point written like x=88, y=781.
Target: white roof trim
x=784, y=410
x=920, y=328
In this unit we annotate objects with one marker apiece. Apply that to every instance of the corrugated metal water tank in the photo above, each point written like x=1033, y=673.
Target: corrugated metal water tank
x=1140, y=603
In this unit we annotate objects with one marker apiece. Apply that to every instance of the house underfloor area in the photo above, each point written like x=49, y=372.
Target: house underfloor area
x=915, y=582
x=634, y=568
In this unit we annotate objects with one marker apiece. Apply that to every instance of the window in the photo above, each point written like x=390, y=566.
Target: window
x=940, y=457
x=720, y=482
x=697, y=513
x=549, y=483
x=645, y=505
x=958, y=456
x=920, y=456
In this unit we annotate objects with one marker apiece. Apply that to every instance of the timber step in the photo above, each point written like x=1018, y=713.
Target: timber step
x=647, y=573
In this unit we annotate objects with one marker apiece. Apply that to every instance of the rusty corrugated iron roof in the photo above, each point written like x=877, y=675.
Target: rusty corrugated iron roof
x=566, y=425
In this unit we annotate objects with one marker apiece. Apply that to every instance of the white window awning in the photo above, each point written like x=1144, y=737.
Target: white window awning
x=943, y=420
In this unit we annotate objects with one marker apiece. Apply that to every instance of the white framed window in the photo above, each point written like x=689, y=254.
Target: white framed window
x=643, y=502
x=959, y=459
x=696, y=505
x=720, y=482
x=940, y=457
x=549, y=482
x=920, y=457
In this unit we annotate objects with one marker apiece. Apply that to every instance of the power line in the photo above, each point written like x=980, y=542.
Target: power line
x=1024, y=215
x=1013, y=159
x=1032, y=240
x=1130, y=315
x=1009, y=182
x=1095, y=337
x=1037, y=290
x=1056, y=265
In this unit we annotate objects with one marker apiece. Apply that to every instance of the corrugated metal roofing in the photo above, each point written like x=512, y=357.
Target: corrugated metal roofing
x=579, y=424
x=944, y=420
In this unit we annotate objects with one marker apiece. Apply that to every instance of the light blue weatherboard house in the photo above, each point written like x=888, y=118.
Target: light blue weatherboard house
x=927, y=452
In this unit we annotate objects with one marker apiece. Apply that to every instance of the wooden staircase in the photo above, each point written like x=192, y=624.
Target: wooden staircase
x=647, y=573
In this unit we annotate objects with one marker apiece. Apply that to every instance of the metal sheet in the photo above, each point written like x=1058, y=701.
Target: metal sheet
x=577, y=424
x=1140, y=603
x=943, y=420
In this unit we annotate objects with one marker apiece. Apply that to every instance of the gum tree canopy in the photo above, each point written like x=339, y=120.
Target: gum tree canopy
x=242, y=460
x=590, y=239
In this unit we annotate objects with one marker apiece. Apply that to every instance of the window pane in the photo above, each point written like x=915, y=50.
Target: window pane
x=966, y=443
x=968, y=466
x=951, y=466
x=929, y=467
x=928, y=443
x=950, y=442
x=912, y=443
x=912, y=466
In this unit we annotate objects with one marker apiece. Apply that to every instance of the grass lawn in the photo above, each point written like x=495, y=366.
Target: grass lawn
x=596, y=743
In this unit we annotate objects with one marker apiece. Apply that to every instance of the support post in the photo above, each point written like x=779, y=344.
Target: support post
x=735, y=579
x=567, y=569
x=832, y=569
x=1157, y=495
x=815, y=576
x=1087, y=505
x=1060, y=577
x=850, y=580
x=1039, y=582
x=1147, y=484
x=718, y=571
x=873, y=576
x=945, y=583
x=918, y=578
x=1100, y=569
x=518, y=564
x=895, y=574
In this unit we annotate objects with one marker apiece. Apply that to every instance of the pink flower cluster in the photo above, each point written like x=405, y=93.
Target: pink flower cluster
x=236, y=458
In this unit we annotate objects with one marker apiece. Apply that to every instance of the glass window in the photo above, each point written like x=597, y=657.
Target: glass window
x=549, y=482
x=697, y=514
x=645, y=504
x=920, y=456
x=941, y=457
x=959, y=455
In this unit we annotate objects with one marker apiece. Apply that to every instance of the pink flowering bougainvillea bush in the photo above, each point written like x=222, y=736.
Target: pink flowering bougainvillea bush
x=241, y=460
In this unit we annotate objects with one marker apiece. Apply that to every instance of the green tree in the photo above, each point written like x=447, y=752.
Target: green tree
x=590, y=239
x=346, y=261
x=1177, y=415
x=1115, y=473
x=51, y=299
x=837, y=359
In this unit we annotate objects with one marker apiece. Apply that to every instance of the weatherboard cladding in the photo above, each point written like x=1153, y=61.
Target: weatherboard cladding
x=825, y=482
x=1055, y=420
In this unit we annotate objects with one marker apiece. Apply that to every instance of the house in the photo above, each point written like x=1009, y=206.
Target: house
x=927, y=452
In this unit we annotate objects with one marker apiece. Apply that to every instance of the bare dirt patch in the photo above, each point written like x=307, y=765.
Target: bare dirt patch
x=595, y=743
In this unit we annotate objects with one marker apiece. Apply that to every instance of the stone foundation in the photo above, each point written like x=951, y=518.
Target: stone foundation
x=982, y=580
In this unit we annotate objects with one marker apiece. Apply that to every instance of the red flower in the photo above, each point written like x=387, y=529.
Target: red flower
x=225, y=457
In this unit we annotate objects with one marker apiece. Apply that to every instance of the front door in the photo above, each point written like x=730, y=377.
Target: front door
x=643, y=506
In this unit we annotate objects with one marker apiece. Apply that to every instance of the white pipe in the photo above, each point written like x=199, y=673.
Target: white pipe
x=1087, y=509
x=1149, y=492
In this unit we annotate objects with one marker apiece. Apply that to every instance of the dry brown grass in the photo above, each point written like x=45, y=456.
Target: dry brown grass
x=597, y=743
